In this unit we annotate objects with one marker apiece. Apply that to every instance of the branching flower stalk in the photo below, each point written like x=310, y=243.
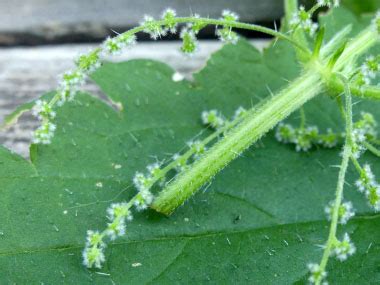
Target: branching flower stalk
x=317, y=76
x=317, y=275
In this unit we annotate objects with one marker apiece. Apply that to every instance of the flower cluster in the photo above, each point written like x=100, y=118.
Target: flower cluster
x=212, y=118
x=180, y=162
x=368, y=71
x=327, y=3
x=93, y=254
x=43, y=110
x=44, y=133
x=305, y=138
x=239, y=113
x=368, y=185
x=343, y=249
x=302, y=18
x=197, y=147
x=116, y=45
x=152, y=28
x=117, y=214
x=189, y=41
x=143, y=184
x=317, y=275
x=345, y=213
x=363, y=130
x=225, y=34
x=169, y=17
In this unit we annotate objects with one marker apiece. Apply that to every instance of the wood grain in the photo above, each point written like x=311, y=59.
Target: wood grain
x=26, y=73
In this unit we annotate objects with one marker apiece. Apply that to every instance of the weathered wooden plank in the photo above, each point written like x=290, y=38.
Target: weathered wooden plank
x=35, y=20
x=26, y=73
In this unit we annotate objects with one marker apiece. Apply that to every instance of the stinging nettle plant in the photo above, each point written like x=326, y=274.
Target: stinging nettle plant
x=340, y=67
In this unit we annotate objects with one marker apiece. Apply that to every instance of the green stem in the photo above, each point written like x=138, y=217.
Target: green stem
x=341, y=179
x=356, y=163
x=190, y=152
x=215, y=22
x=291, y=7
x=256, y=124
x=372, y=148
x=365, y=92
x=302, y=119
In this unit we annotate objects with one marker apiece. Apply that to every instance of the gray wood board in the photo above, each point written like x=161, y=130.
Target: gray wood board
x=26, y=73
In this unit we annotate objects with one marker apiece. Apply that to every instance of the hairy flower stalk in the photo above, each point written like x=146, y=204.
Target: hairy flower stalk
x=257, y=123
x=71, y=81
x=332, y=242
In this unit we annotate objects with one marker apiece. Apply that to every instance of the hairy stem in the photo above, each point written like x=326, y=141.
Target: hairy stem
x=347, y=150
x=291, y=7
x=207, y=21
x=255, y=125
x=372, y=148
x=365, y=92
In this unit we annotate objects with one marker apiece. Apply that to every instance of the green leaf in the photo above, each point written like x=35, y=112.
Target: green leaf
x=363, y=6
x=260, y=221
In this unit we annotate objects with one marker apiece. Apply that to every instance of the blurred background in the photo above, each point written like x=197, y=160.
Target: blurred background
x=40, y=38
x=34, y=22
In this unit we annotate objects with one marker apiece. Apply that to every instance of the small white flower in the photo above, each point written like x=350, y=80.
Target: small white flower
x=94, y=238
x=88, y=62
x=44, y=133
x=141, y=182
x=116, y=45
x=154, y=169
x=198, y=148
x=116, y=228
x=189, y=40
x=143, y=200
x=118, y=210
x=324, y=3
x=69, y=85
x=212, y=118
x=302, y=18
x=229, y=16
x=369, y=69
x=181, y=162
x=169, y=16
x=360, y=185
x=345, y=248
x=93, y=256
x=285, y=133
x=225, y=34
x=152, y=28
x=240, y=112
x=316, y=274
x=43, y=110
x=345, y=212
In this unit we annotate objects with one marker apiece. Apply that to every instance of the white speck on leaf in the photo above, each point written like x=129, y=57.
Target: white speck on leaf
x=177, y=76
